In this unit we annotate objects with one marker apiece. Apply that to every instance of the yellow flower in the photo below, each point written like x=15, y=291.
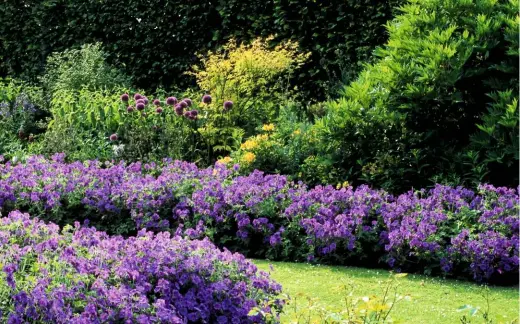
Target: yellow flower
x=268, y=127
x=250, y=144
x=297, y=132
x=225, y=160
x=249, y=157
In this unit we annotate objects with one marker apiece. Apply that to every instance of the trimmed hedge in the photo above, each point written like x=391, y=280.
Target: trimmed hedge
x=156, y=41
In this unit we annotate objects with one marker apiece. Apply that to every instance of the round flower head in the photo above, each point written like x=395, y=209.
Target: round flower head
x=124, y=97
x=228, y=105
x=129, y=108
x=183, y=104
x=193, y=114
x=178, y=109
x=171, y=101
x=157, y=102
x=140, y=106
x=140, y=101
x=206, y=99
x=188, y=101
x=158, y=110
x=145, y=100
x=113, y=137
x=137, y=96
x=187, y=114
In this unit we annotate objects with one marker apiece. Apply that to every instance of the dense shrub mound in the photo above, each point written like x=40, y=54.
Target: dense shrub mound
x=445, y=230
x=438, y=104
x=80, y=275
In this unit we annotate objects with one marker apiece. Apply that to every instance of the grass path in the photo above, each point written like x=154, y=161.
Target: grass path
x=434, y=300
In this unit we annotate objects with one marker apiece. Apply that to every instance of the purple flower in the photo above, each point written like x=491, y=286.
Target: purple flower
x=125, y=97
x=206, y=99
x=183, y=104
x=140, y=106
x=187, y=285
x=157, y=102
x=228, y=105
x=113, y=137
x=171, y=101
x=179, y=110
x=159, y=110
x=137, y=96
x=129, y=109
x=188, y=101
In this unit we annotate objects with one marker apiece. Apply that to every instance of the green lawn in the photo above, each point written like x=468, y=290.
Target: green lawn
x=433, y=300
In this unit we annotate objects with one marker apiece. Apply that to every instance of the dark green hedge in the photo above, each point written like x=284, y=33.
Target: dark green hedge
x=156, y=40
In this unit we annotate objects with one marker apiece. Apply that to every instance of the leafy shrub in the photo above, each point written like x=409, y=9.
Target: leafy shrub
x=21, y=116
x=84, y=121
x=497, y=138
x=285, y=147
x=76, y=69
x=395, y=125
x=253, y=77
x=152, y=50
x=445, y=230
x=78, y=275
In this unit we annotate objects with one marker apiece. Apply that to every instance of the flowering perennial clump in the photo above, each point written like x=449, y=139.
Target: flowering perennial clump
x=80, y=275
x=446, y=230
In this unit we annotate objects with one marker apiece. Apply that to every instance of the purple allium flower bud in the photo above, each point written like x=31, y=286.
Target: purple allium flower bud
x=145, y=100
x=129, y=108
x=158, y=110
x=140, y=101
x=140, y=106
x=125, y=97
x=113, y=137
x=188, y=101
x=228, y=105
x=187, y=114
x=183, y=104
x=206, y=99
x=171, y=101
x=137, y=96
x=157, y=102
x=178, y=109
x=192, y=114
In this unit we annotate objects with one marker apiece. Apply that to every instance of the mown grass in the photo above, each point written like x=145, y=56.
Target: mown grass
x=433, y=300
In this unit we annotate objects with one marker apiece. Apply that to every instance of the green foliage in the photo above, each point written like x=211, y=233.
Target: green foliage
x=409, y=117
x=254, y=77
x=289, y=147
x=21, y=116
x=497, y=138
x=83, y=121
x=154, y=41
x=75, y=69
